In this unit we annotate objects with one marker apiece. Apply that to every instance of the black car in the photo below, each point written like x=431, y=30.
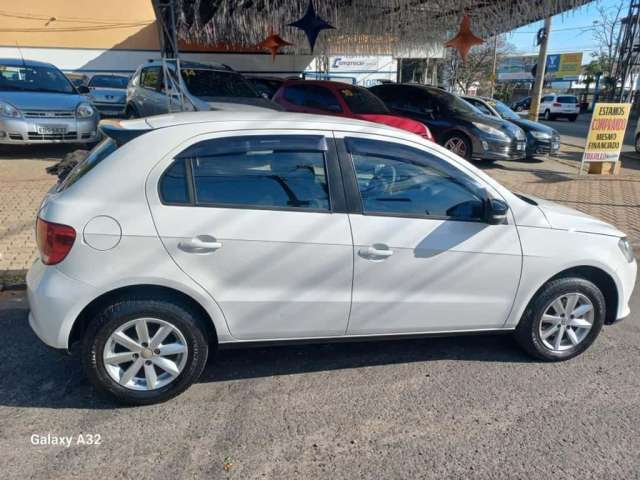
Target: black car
x=454, y=123
x=540, y=138
x=522, y=104
x=266, y=86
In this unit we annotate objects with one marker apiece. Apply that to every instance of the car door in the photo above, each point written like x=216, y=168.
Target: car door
x=424, y=258
x=257, y=219
x=545, y=104
x=151, y=100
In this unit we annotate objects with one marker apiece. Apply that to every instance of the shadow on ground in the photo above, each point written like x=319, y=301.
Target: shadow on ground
x=55, y=380
x=37, y=152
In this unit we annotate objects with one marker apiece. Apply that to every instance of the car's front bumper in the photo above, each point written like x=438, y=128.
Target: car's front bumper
x=542, y=146
x=25, y=131
x=488, y=148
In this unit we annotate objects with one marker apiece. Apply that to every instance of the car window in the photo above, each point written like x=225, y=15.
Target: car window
x=97, y=155
x=27, y=78
x=399, y=180
x=361, y=101
x=108, y=81
x=394, y=97
x=546, y=99
x=173, y=185
x=266, y=86
x=480, y=106
x=206, y=83
x=312, y=96
x=567, y=99
x=269, y=171
x=150, y=78
x=504, y=111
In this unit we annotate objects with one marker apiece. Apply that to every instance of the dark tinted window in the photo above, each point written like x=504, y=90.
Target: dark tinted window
x=568, y=99
x=312, y=96
x=173, y=185
x=392, y=96
x=33, y=79
x=261, y=171
x=266, y=86
x=214, y=83
x=480, y=106
x=108, y=81
x=99, y=153
x=362, y=101
x=150, y=77
x=400, y=180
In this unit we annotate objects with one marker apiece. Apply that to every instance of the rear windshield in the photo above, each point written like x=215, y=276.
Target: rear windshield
x=567, y=100
x=108, y=81
x=213, y=83
x=99, y=153
x=361, y=101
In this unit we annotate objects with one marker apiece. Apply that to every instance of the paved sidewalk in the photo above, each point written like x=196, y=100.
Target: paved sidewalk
x=23, y=182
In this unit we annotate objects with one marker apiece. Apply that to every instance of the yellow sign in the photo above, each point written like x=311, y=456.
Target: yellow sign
x=570, y=65
x=606, y=133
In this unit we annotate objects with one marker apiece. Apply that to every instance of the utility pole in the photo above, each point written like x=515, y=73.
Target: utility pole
x=540, y=71
x=495, y=61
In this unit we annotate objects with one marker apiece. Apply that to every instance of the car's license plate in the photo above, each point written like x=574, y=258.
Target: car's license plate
x=520, y=146
x=49, y=130
x=555, y=145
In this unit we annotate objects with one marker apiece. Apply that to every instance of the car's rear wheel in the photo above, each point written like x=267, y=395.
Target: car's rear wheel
x=563, y=320
x=637, y=145
x=459, y=144
x=145, y=350
x=131, y=112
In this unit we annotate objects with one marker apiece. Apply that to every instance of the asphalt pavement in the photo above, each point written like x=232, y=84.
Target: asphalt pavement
x=462, y=407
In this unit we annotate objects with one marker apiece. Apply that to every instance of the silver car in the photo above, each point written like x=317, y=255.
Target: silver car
x=109, y=94
x=202, y=86
x=38, y=104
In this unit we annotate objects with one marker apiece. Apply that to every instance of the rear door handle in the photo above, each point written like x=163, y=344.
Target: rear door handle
x=200, y=244
x=378, y=250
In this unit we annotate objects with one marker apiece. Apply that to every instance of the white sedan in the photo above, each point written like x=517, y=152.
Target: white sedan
x=183, y=232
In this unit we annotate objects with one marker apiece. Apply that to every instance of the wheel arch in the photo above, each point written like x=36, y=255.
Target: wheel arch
x=92, y=308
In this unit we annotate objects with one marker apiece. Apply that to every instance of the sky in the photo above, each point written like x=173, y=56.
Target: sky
x=570, y=32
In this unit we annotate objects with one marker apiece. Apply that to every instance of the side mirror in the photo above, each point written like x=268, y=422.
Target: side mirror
x=496, y=211
x=83, y=89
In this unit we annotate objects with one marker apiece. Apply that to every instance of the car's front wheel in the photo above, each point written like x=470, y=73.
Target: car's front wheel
x=459, y=144
x=637, y=145
x=145, y=350
x=563, y=320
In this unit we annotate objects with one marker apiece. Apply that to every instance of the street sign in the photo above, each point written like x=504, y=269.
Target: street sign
x=606, y=133
x=562, y=66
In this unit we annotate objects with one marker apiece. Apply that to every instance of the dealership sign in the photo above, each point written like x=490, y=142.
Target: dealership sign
x=606, y=134
x=562, y=66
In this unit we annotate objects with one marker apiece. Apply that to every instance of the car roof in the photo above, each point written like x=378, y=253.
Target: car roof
x=190, y=64
x=321, y=83
x=19, y=62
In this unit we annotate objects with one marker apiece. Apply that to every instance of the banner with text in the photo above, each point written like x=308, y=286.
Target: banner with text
x=606, y=133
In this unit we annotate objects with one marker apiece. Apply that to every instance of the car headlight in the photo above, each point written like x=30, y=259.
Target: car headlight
x=540, y=135
x=84, y=110
x=9, y=111
x=625, y=248
x=491, y=130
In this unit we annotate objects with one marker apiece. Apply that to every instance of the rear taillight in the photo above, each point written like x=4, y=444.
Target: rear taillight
x=54, y=241
x=556, y=104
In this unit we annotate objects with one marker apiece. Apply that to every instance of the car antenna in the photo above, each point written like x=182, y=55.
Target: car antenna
x=21, y=56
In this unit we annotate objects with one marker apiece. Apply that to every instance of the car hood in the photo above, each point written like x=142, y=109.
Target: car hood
x=531, y=126
x=394, y=121
x=511, y=129
x=564, y=218
x=42, y=100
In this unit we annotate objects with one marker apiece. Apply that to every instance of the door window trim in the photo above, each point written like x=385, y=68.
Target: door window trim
x=354, y=197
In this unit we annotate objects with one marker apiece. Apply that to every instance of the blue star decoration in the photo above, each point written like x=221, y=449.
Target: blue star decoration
x=311, y=24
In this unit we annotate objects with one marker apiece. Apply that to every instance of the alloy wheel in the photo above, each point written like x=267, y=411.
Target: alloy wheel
x=145, y=354
x=457, y=146
x=566, y=321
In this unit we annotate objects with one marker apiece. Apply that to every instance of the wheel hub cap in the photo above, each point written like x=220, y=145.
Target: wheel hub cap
x=145, y=354
x=566, y=321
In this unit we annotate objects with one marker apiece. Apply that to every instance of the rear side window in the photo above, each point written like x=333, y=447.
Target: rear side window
x=568, y=99
x=312, y=96
x=99, y=153
x=150, y=78
x=361, y=101
x=263, y=172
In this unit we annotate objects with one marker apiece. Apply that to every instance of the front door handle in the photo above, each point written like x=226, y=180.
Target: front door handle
x=377, y=250
x=200, y=245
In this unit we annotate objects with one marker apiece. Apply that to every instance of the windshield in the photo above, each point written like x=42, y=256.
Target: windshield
x=214, y=83
x=454, y=104
x=109, y=81
x=362, y=101
x=504, y=111
x=33, y=79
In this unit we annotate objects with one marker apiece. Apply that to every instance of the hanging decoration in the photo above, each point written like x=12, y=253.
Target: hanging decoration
x=311, y=24
x=273, y=43
x=465, y=39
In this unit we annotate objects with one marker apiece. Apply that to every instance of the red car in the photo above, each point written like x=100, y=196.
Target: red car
x=336, y=98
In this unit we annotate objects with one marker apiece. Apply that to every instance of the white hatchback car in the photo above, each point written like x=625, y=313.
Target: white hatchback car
x=183, y=232
x=554, y=106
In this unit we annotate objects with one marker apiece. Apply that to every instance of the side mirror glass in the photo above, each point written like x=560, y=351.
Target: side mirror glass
x=496, y=211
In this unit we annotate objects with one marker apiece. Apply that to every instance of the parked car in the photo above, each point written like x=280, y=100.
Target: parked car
x=454, y=123
x=109, y=94
x=265, y=86
x=337, y=98
x=38, y=104
x=522, y=104
x=229, y=229
x=555, y=106
x=541, y=139
x=637, y=137
x=204, y=86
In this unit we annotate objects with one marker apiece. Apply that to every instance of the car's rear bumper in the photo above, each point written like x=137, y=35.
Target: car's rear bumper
x=54, y=303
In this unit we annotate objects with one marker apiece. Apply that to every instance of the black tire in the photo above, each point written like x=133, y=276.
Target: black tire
x=465, y=140
x=171, y=310
x=519, y=108
x=527, y=332
x=131, y=112
x=637, y=144
x=573, y=118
